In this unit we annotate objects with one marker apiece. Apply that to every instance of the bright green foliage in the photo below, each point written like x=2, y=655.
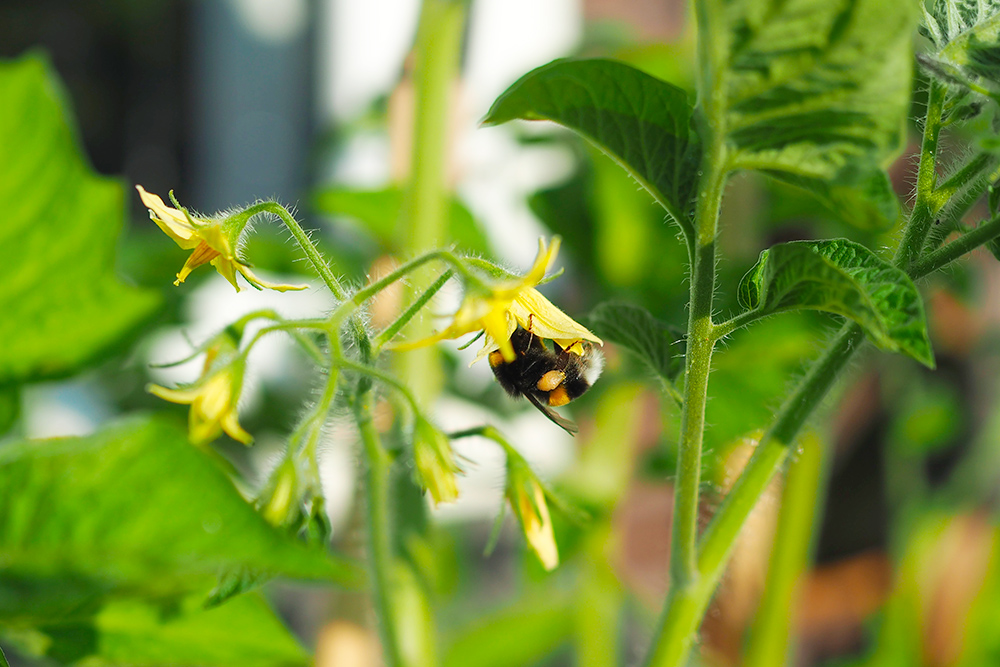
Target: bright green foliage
x=380, y=211
x=131, y=632
x=540, y=624
x=62, y=304
x=817, y=93
x=160, y=517
x=641, y=122
x=846, y=278
x=658, y=345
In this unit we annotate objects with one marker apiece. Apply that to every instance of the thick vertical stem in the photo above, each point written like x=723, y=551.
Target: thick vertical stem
x=671, y=641
x=436, y=59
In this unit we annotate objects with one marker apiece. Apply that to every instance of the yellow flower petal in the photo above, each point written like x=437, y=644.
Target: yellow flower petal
x=173, y=222
x=537, y=525
x=537, y=314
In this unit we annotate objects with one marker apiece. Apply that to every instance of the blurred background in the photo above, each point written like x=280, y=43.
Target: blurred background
x=310, y=102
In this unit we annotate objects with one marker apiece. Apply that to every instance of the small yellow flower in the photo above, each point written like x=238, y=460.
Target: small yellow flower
x=510, y=304
x=435, y=462
x=527, y=499
x=210, y=241
x=214, y=397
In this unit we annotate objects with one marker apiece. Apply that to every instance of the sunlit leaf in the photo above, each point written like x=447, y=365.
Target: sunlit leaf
x=379, y=212
x=62, y=304
x=846, y=278
x=818, y=91
x=135, y=506
x=658, y=345
x=641, y=122
x=244, y=631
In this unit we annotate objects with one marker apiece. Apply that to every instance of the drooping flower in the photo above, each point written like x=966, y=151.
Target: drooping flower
x=214, y=396
x=527, y=499
x=503, y=307
x=435, y=462
x=212, y=241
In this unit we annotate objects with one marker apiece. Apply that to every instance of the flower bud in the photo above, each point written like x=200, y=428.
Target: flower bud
x=435, y=462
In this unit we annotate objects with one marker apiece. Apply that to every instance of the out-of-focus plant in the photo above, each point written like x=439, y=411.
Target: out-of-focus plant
x=131, y=546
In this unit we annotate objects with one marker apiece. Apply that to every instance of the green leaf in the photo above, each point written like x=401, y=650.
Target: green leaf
x=379, y=211
x=966, y=34
x=846, y=278
x=815, y=88
x=946, y=21
x=641, y=122
x=135, y=506
x=3, y=659
x=131, y=632
x=518, y=635
x=658, y=345
x=866, y=201
x=63, y=307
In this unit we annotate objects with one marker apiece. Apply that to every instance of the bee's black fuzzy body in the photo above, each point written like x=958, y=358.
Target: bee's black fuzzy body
x=546, y=377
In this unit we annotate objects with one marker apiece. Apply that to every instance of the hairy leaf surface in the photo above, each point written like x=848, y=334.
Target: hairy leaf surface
x=817, y=91
x=62, y=304
x=136, y=506
x=846, y=278
x=641, y=122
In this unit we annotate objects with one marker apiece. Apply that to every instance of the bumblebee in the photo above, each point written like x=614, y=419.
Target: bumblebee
x=548, y=378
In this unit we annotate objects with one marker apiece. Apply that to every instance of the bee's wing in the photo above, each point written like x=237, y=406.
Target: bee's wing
x=555, y=418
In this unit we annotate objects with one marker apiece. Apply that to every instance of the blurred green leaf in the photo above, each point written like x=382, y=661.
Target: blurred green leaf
x=379, y=211
x=3, y=659
x=63, y=305
x=817, y=92
x=243, y=632
x=750, y=376
x=846, y=278
x=641, y=122
x=658, y=345
x=518, y=635
x=10, y=408
x=136, y=507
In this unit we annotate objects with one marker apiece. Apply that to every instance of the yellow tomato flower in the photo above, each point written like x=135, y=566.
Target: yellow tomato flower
x=213, y=398
x=510, y=304
x=527, y=499
x=211, y=242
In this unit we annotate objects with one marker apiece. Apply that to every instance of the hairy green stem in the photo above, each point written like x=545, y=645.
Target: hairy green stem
x=380, y=556
x=312, y=253
x=927, y=204
x=978, y=174
x=404, y=318
x=952, y=251
x=800, y=500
